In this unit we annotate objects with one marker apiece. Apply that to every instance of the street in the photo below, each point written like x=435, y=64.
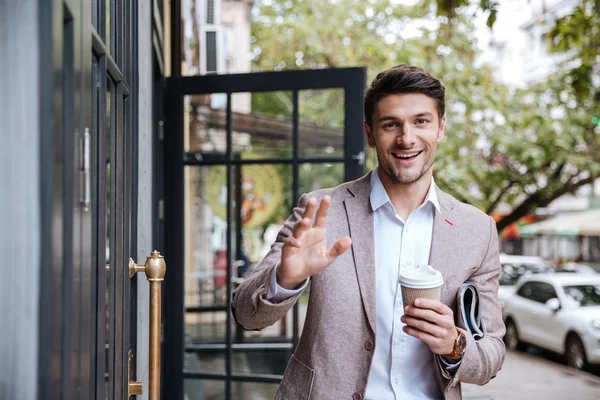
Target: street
x=536, y=374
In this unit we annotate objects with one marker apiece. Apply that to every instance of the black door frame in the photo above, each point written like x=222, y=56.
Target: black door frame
x=352, y=80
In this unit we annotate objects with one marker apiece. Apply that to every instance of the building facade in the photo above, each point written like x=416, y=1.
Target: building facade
x=135, y=133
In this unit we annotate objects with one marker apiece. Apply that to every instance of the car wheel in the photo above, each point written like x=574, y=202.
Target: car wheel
x=511, y=338
x=575, y=352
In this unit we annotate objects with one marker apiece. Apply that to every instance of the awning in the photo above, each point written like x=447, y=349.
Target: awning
x=585, y=223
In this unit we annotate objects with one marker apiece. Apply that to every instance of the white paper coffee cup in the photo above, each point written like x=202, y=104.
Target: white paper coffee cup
x=423, y=282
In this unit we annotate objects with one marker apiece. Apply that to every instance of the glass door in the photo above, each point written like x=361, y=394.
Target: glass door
x=240, y=150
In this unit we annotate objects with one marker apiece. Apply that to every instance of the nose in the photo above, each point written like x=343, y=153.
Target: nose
x=406, y=137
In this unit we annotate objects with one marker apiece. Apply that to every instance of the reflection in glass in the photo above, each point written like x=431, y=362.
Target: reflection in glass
x=204, y=121
x=202, y=389
x=262, y=124
x=584, y=295
x=319, y=176
x=321, y=123
x=206, y=235
x=254, y=390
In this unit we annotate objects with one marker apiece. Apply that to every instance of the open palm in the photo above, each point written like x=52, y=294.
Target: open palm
x=305, y=253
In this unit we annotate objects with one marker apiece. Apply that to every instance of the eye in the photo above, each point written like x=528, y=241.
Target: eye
x=390, y=125
x=421, y=121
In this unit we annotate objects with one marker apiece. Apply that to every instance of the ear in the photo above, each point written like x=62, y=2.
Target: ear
x=369, y=132
x=442, y=130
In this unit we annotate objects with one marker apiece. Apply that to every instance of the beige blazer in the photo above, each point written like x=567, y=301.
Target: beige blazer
x=335, y=351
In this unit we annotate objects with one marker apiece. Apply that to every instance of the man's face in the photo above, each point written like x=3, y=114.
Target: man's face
x=405, y=132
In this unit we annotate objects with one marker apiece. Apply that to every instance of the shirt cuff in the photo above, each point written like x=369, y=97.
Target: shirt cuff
x=448, y=368
x=277, y=294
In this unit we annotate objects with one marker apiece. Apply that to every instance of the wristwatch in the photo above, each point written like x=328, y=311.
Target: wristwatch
x=460, y=346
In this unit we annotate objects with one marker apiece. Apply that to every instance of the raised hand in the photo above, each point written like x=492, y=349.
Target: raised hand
x=305, y=253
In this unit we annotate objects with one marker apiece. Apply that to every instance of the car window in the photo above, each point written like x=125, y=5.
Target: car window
x=537, y=291
x=526, y=291
x=584, y=295
x=511, y=272
x=543, y=292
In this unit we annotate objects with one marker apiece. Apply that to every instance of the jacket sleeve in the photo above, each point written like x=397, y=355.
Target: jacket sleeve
x=484, y=358
x=249, y=307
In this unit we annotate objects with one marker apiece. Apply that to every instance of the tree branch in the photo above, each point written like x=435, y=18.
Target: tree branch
x=498, y=198
x=542, y=199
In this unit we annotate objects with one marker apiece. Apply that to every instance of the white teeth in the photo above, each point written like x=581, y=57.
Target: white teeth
x=406, y=155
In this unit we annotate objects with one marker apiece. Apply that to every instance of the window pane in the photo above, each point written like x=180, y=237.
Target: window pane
x=254, y=390
x=321, y=123
x=206, y=235
x=204, y=122
x=262, y=124
x=202, y=389
x=319, y=176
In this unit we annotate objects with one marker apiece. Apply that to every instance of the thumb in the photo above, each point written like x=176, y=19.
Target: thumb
x=339, y=248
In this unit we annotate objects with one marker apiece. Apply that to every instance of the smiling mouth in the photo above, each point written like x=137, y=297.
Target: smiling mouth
x=407, y=156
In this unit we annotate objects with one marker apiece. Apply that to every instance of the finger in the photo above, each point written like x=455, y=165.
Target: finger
x=293, y=242
x=429, y=315
x=339, y=248
x=434, y=305
x=429, y=339
x=300, y=227
x=311, y=206
x=321, y=220
x=424, y=326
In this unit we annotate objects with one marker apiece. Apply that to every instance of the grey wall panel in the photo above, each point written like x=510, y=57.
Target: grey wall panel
x=20, y=240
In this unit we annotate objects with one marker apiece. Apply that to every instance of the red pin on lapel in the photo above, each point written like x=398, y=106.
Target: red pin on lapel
x=449, y=223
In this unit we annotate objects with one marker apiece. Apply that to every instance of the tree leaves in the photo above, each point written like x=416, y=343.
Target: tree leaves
x=504, y=147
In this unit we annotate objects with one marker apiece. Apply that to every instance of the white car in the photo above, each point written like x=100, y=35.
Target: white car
x=514, y=267
x=557, y=312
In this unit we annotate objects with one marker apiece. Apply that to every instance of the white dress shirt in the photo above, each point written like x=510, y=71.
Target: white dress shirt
x=403, y=366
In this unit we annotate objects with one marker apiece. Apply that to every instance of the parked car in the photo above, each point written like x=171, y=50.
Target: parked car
x=557, y=312
x=513, y=268
x=577, y=268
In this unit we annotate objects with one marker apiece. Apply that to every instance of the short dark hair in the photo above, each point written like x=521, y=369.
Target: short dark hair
x=403, y=79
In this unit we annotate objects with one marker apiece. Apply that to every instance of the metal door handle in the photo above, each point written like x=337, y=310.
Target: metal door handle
x=155, y=269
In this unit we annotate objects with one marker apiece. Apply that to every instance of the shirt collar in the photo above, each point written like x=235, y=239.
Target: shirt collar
x=379, y=196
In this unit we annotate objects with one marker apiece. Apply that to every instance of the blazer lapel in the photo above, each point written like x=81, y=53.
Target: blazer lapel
x=360, y=221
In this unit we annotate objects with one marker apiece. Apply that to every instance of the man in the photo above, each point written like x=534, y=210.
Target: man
x=359, y=341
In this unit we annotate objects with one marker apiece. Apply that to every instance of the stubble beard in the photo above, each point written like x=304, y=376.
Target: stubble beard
x=397, y=176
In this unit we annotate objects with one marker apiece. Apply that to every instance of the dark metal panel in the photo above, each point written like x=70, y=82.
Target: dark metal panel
x=176, y=38
x=204, y=309
x=49, y=32
x=275, y=81
x=70, y=329
x=295, y=190
x=88, y=252
x=120, y=306
x=229, y=354
x=174, y=211
x=99, y=232
x=354, y=143
x=113, y=69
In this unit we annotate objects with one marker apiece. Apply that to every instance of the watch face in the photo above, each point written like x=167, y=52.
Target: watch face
x=462, y=342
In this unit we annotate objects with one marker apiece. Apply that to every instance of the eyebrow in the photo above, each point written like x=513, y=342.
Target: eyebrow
x=392, y=118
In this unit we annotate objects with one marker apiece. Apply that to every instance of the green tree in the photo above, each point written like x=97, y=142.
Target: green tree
x=510, y=146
